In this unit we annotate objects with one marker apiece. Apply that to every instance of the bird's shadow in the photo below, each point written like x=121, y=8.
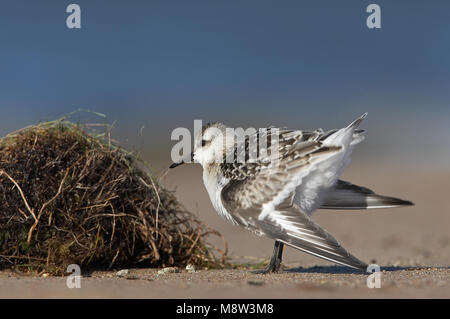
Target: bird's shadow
x=343, y=269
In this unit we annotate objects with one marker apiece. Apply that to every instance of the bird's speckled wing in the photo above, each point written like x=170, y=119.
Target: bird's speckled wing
x=252, y=185
x=245, y=199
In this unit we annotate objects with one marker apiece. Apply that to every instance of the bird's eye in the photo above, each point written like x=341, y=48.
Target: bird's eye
x=203, y=142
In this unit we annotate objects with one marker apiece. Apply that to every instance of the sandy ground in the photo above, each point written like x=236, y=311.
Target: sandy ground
x=411, y=244
x=319, y=282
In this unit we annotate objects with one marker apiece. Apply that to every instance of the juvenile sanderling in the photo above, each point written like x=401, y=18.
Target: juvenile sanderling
x=278, y=200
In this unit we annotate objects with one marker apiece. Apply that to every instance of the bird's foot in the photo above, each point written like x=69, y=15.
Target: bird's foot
x=272, y=267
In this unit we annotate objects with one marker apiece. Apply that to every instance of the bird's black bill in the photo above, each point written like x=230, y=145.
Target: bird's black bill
x=176, y=164
x=188, y=159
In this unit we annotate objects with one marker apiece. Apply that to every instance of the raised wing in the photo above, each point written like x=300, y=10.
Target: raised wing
x=294, y=228
x=252, y=186
x=261, y=196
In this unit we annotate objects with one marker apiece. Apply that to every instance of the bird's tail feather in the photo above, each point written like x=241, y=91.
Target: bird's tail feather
x=345, y=195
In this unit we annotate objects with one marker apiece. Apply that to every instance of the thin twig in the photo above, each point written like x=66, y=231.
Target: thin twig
x=159, y=201
x=30, y=232
x=2, y=172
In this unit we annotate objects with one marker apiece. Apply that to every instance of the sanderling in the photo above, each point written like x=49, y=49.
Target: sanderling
x=278, y=200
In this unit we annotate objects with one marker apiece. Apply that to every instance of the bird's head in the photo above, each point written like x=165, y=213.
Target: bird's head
x=210, y=145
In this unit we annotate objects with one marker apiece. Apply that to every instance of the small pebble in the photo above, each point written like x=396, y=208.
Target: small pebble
x=168, y=270
x=190, y=268
x=122, y=273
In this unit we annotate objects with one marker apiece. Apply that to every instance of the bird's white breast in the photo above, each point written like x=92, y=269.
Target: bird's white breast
x=214, y=184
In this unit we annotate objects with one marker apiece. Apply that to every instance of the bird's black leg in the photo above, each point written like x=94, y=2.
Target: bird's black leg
x=275, y=260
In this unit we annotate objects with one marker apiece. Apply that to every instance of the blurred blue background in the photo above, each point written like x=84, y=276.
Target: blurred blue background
x=152, y=66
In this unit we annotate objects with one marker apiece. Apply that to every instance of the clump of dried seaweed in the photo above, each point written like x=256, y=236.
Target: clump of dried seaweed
x=70, y=197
